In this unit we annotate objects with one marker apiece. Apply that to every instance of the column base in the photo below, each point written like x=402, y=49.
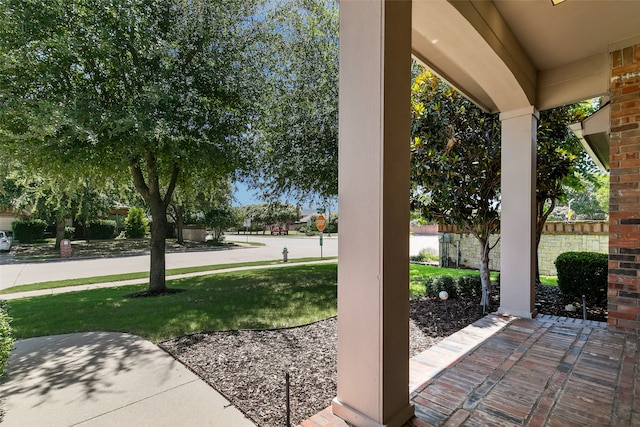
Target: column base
x=526, y=314
x=352, y=416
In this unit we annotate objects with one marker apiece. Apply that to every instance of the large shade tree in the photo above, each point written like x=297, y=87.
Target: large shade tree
x=300, y=127
x=131, y=88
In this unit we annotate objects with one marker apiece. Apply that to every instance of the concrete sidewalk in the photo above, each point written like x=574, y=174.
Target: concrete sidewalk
x=106, y=379
x=61, y=290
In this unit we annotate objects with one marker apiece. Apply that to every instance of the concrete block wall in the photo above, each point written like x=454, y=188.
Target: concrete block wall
x=557, y=238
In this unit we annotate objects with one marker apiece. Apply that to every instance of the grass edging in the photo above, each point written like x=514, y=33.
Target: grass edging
x=145, y=274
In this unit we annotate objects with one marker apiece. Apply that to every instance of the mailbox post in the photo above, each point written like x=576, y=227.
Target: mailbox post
x=65, y=248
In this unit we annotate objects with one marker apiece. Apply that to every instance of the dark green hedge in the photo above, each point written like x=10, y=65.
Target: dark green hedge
x=101, y=229
x=29, y=231
x=6, y=336
x=583, y=273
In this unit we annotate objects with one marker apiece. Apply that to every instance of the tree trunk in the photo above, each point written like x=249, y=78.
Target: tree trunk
x=157, y=279
x=541, y=219
x=485, y=276
x=151, y=192
x=180, y=224
x=59, y=232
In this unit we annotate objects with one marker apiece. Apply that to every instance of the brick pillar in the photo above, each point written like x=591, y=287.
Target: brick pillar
x=624, y=219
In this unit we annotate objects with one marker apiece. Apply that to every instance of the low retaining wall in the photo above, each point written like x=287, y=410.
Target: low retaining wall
x=194, y=233
x=556, y=239
x=424, y=229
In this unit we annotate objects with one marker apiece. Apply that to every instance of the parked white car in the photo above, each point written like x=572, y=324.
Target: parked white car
x=5, y=241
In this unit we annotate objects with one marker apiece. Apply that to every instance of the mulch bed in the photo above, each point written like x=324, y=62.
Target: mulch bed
x=248, y=367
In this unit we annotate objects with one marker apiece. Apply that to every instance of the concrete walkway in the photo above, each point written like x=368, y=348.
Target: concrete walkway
x=106, y=379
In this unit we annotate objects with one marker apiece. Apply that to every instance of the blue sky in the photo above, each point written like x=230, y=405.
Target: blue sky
x=244, y=196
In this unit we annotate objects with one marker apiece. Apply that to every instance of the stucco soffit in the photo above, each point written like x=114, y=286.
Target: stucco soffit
x=470, y=45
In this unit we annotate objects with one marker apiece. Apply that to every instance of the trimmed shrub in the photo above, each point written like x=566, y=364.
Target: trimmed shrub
x=135, y=225
x=6, y=336
x=69, y=232
x=101, y=229
x=433, y=286
x=29, y=231
x=583, y=273
x=470, y=286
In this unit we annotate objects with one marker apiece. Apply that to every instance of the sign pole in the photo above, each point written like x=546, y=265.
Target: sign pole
x=321, y=223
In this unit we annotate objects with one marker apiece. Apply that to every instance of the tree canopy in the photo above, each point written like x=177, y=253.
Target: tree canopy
x=455, y=163
x=116, y=88
x=300, y=126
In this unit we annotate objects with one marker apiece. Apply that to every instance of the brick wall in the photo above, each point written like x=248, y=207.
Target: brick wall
x=624, y=231
x=557, y=238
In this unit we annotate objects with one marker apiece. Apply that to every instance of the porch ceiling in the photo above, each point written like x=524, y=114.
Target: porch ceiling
x=509, y=54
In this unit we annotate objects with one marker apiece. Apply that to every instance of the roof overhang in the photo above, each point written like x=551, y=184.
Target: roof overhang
x=509, y=54
x=593, y=133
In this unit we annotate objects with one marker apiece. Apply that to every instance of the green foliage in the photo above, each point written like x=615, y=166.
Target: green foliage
x=136, y=224
x=455, y=162
x=591, y=202
x=29, y=231
x=267, y=214
x=426, y=255
x=583, y=273
x=434, y=285
x=6, y=336
x=150, y=92
x=311, y=229
x=455, y=157
x=300, y=123
x=219, y=218
x=256, y=299
x=470, y=286
x=101, y=229
x=69, y=232
x=561, y=161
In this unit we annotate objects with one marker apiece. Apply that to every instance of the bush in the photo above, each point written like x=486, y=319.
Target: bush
x=470, y=286
x=29, y=231
x=135, y=225
x=6, y=336
x=434, y=285
x=583, y=273
x=426, y=255
x=69, y=232
x=101, y=229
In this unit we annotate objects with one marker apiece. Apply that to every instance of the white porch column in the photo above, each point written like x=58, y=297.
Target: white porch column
x=517, y=223
x=373, y=297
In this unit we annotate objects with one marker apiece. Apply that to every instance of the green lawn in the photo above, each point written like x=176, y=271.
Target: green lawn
x=254, y=299
x=418, y=273
x=145, y=274
x=248, y=299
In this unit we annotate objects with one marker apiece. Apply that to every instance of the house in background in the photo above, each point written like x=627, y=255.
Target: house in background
x=6, y=219
x=515, y=58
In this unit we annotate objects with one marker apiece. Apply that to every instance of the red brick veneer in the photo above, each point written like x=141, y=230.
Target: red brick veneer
x=624, y=222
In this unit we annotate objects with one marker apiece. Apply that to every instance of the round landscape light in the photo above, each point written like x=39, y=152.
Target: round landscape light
x=444, y=295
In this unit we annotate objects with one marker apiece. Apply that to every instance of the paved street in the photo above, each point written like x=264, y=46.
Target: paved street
x=298, y=247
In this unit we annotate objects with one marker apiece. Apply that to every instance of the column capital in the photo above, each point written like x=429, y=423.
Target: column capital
x=525, y=111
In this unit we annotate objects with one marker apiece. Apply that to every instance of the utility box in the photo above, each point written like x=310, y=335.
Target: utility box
x=65, y=248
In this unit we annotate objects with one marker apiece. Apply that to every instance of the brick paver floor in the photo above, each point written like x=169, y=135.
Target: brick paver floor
x=549, y=371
